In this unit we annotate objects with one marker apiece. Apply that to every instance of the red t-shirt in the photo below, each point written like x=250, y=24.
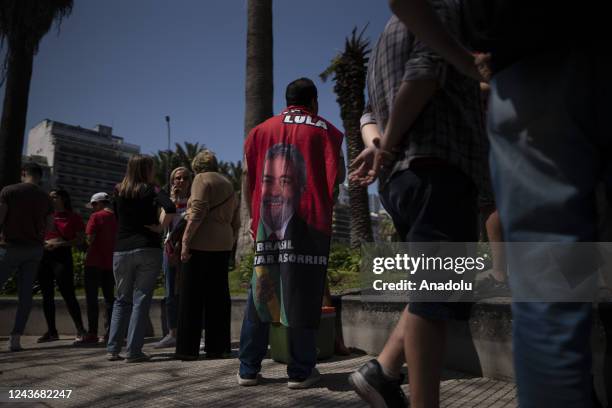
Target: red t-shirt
x=102, y=224
x=67, y=225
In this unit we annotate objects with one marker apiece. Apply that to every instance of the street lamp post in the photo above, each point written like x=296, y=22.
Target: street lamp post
x=169, y=154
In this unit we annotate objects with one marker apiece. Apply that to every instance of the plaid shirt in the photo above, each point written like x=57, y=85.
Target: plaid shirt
x=451, y=126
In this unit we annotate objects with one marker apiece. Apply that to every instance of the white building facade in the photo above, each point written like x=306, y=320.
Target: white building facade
x=82, y=161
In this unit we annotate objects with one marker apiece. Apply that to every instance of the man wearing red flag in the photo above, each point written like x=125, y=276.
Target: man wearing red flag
x=293, y=162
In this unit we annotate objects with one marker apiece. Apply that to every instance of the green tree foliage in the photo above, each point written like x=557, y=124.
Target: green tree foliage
x=183, y=155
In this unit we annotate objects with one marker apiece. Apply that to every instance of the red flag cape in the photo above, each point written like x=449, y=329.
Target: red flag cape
x=292, y=162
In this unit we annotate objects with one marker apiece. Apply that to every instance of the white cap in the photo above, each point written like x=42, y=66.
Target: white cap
x=97, y=198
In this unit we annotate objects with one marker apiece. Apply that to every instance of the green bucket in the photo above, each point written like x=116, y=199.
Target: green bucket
x=279, y=337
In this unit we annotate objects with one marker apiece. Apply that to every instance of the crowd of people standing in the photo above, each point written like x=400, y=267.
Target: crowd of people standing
x=426, y=144
x=128, y=242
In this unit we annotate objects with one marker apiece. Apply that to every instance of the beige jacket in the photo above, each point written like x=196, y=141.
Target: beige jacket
x=218, y=228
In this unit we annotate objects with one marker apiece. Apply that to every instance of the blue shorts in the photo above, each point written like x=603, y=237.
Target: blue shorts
x=433, y=204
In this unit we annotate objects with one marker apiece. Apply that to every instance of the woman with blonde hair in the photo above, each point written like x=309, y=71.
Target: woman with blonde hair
x=213, y=220
x=179, y=188
x=141, y=213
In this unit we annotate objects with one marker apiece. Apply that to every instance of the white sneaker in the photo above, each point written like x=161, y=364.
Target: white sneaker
x=15, y=342
x=247, y=382
x=168, y=341
x=297, y=384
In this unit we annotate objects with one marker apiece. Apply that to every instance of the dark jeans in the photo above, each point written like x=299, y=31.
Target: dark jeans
x=24, y=261
x=94, y=279
x=204, y=283
x=56, y=267
x=254, y=338
x=433, y=204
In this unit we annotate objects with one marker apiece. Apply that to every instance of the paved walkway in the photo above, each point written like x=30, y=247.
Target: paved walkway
x=165, y=382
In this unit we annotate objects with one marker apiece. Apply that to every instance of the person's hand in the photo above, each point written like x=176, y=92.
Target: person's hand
x=185, y=254
x=176, y=191
x=476, y=66
x=360, y=167
x=51, y=246
x=153, y=228
x=483, y=66
x=366, y=167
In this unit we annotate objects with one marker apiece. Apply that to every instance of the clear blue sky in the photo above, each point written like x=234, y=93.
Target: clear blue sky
x=127, y=64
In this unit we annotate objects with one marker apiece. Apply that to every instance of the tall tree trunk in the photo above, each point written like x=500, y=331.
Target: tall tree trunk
x=259, y=91
x=361, y=224
x=13, y=123
x=259, y=83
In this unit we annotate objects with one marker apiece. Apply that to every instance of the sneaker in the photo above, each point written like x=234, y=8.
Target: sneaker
x=166, y=342
x=301, y=383
x=47, y=337
x=376, y=389
x=15, y=342
x=247, y=381
x=113, y=357
x=490, y=287
x=86, y=339
x=140, y=358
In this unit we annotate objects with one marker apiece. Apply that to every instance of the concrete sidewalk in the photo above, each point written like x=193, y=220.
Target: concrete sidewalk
x=165, y=382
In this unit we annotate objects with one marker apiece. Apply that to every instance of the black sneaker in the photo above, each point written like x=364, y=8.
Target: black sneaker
x=376, y=389
x=47, y=337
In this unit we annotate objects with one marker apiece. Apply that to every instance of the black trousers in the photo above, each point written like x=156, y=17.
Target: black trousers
x=204, y=283
x=94, y=279
x=56, y=267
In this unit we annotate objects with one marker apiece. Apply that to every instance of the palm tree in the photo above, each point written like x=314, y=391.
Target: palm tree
x=258, y=90
x=233, y=171
x=186, y=154
x=349, y=69
x=23, y=23
x=259, y=79
x=166, y=161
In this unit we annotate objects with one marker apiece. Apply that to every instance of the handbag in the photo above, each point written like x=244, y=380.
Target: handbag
x=174, y=242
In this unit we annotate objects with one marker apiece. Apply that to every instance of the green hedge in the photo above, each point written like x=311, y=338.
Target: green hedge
x=343, y=272
x=78, y=261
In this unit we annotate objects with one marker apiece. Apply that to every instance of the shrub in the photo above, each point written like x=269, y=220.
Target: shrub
x=78, y=265
x=343, y=268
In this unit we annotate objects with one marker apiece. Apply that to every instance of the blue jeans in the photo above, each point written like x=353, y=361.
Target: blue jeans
x=135, y=274
x=171, y=298
x=254, y=346
x=23, y=260
x=550, y=146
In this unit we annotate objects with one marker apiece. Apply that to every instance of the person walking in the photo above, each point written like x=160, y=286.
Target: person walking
x=550, y=149
x=213, y=220
x=101, y=233
x=293, y=163
x=25, y=211
x=142, y=213
x=425, y=142
x=179, y=190
x=57, y=267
